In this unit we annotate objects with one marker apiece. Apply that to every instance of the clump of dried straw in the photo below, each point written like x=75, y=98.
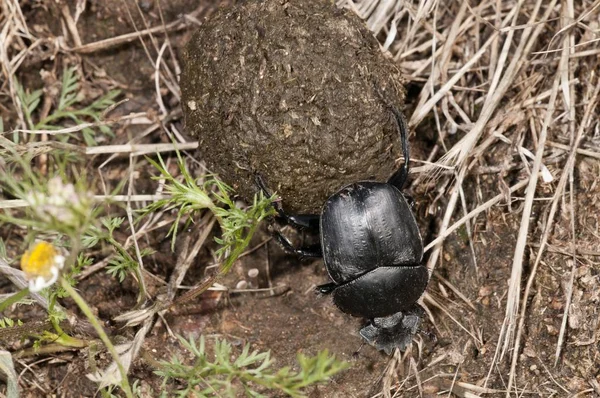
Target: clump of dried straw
x=524, y=73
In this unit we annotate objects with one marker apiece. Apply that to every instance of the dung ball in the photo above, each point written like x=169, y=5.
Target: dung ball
x=291, y=91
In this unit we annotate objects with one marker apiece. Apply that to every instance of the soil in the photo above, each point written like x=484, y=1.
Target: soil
x=457, y=343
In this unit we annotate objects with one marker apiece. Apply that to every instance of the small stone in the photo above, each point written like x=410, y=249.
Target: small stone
x=528, y=351
x=485, y=291
x=557, y=304
x=430, y=389
x=552, y=330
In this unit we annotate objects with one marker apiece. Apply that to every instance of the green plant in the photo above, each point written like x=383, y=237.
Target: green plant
x=120, y=265
x=224, y=376
x=122, y=262
x=237, y=225
x=65, y=211
x=69, y=106
x=53, y=205
x=109, y=392
x=9, y=323
x=69, y=275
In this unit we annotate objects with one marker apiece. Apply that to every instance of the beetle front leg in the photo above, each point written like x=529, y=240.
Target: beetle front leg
x=302, y=252
x=299, y=221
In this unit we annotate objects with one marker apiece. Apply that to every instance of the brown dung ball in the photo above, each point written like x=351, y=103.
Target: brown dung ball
x=289, y=90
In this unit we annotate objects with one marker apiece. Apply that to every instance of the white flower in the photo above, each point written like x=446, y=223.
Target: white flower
x=42, y=265
x=60, y=204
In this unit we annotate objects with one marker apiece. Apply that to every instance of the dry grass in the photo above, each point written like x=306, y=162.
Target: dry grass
x=518, y=72
x=496, y=79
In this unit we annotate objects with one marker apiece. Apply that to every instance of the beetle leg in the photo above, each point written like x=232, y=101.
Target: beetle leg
x=410, y=200
x=303, y=252
x=398, y=179
x=299, y=221
x=302, y=221
x=431, y=335
x=326, y=288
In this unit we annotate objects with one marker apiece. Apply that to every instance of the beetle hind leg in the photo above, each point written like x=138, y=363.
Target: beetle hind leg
x=394, y=331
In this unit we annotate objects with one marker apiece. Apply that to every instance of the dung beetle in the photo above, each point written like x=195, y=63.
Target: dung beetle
x=372, y=249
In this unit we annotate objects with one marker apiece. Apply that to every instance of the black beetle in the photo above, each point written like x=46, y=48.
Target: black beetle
x=372, y=249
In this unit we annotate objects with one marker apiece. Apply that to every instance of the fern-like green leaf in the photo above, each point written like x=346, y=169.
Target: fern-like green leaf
x=68, y=91
x=250, y=373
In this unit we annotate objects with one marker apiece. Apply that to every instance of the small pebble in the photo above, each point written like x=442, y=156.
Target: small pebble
x=253, y=272
x=241, y=285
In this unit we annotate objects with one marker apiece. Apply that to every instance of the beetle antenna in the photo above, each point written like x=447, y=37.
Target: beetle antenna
x=398, y=179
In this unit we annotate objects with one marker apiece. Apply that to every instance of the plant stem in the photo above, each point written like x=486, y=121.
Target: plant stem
x=66, y=340
x=14, y=299
x=239, y=249
x=87, y=311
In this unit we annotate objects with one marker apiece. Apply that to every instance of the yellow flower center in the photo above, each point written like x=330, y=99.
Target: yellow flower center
x=39, y=260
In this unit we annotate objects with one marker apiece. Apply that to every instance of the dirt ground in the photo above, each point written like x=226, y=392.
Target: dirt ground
x=456, y=352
